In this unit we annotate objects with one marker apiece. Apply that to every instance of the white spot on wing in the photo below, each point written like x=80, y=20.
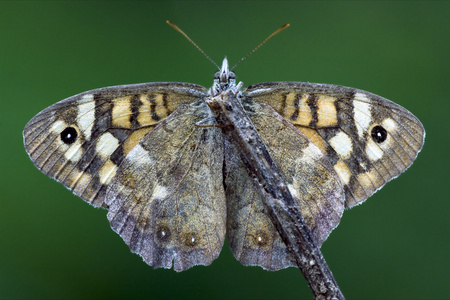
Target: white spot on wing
x=293, y=191
x=74, y=152
x=313, y=152
x=159, y=192
x=389, y=125
x=58, y=126
x=139, y=155
x=86, y=115
x=343, y=171
x=342, y=144
x=107, y=172
x=373, y=151
x=361, y=113
x=106, y=145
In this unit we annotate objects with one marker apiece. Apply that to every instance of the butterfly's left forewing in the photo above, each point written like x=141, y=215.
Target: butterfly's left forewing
x=82, y=140
x=368, y=139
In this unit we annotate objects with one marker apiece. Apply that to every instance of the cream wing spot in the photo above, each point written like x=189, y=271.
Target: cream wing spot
x=312, y=152
x=326, y=112
x=293, y=190
x=58, y=126
x=86, y=115
x=139, y=155
x=84, y=180
x=134, y=138
x=80, y=182
x=343, y=171
x=297, y=109
x=106, y=145
x=160, y=108
x=373, y=151
x=159, y=192
x=121, y=112
x=362, y=113
x=389, y=125
x=74, y=152
x=314, y=137
x=369, y=179
x=74, y=178
x=289, y=109
x=342, y=144
x=107, y=172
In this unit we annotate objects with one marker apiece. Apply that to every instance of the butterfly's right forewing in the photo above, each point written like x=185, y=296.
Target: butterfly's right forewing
x=368, y=139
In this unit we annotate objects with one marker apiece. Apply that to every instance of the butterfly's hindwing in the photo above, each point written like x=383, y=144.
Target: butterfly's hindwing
x=167, y=199
x=369, y=140
x=320, y=196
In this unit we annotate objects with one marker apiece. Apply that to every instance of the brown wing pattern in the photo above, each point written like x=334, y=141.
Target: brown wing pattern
x=136, y=150
x=311, y=180
x=82, y=140
x=368, y=139
x=167, y=199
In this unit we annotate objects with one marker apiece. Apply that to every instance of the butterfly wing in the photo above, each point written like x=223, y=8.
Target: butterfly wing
x=167, y=200
x=81, y=140
x=364, y=141
x=92, y=143
x=368, y=139
x=309, y=176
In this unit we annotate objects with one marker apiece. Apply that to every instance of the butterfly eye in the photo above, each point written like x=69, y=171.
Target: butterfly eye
x=379, y=134
x=69, y=135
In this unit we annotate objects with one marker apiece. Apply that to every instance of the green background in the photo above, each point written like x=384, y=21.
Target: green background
x=53, y=245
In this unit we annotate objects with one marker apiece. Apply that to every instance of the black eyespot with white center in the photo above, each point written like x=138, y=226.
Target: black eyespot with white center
x=69, y=135
x=379, y=134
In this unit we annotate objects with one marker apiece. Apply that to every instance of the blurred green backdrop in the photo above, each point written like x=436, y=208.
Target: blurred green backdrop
x=53, y=245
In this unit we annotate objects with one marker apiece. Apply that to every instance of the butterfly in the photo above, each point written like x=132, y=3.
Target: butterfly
x=174, y=186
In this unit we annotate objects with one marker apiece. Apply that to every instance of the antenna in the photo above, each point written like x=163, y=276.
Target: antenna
x=186, y=36
x=242, y=59
x=263, y=42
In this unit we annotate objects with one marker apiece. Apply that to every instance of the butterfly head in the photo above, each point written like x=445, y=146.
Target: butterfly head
x=223, y=79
